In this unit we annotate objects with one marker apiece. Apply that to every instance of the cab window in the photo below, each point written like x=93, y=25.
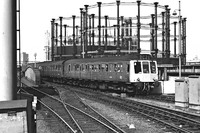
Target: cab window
x=153, y=67
x=145, y=67
x=137, y=67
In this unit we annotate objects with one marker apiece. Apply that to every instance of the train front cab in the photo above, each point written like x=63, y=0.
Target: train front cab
x=144, y=73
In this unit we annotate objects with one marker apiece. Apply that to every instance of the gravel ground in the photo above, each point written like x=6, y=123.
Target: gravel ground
x=47, y=123
x=42, y=125
x=124, y=119
x=166, y=105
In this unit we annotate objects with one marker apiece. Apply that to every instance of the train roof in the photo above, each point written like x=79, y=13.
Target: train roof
x=51, y=62
x=105, y=59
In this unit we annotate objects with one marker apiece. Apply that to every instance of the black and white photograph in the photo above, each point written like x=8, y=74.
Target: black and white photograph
x=106, y=66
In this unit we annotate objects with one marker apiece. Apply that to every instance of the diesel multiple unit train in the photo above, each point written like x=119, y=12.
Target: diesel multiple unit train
x=129, y=74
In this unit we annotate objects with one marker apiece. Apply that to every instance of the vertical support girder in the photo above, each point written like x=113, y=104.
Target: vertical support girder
x=73, y=35
x=163, y=34
x=156, y=29
x=138, y=28
x=106, y=32
x=99, y=27
x=61, y=45
x=86, y=29
x=93, y=48
x=118, y=29
x=175, y=39
x=52, y=39
x=81, y=33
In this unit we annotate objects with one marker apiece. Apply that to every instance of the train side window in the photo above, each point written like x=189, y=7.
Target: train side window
x=99, y=68
x=115, y=67
x=145, y=67
x=103, y=67
x=137, y=67
x=111, y=67
x=69, y=67
x=127, y=68
x=86, y=67
x=92, y=67
x=120, y=67
x=83, y=67
x=106, y=67
x=153, y=67
x=77, y=67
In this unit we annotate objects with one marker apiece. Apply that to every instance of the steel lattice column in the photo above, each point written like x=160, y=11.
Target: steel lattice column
x=90, y=32
x=138, y=28
x=184, y=40
x=163, y=34
x=175, y=39
x=86, y=29
x=152, y=34
x=93, y=48
x=61, y=47
x=118, y=30
x=106, y=32
x=52, y=39
x=122, y=31
x=81, y=33
x=99, y=27
x=56, y=38
x=166, y=32
x=74, y=40
x=156, y=29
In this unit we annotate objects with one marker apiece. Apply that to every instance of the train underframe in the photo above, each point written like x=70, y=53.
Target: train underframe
x=136, y=88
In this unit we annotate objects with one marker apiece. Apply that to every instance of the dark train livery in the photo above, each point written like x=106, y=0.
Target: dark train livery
x=122, y=73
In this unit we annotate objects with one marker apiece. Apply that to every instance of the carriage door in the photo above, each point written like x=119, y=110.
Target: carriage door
x=135, y=71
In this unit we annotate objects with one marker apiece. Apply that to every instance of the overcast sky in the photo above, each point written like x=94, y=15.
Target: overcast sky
x=37, y=14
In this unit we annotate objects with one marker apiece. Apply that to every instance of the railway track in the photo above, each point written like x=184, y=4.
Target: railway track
x=72, y=98
x=56, y=108
x=171, y=120
x=163, y=98
x=77, y=115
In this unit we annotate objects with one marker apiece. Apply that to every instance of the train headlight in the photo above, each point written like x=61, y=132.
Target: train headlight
x=138, y=79
x=155, y=79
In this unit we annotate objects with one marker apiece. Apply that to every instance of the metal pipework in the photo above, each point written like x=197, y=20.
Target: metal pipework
x=8, y=54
